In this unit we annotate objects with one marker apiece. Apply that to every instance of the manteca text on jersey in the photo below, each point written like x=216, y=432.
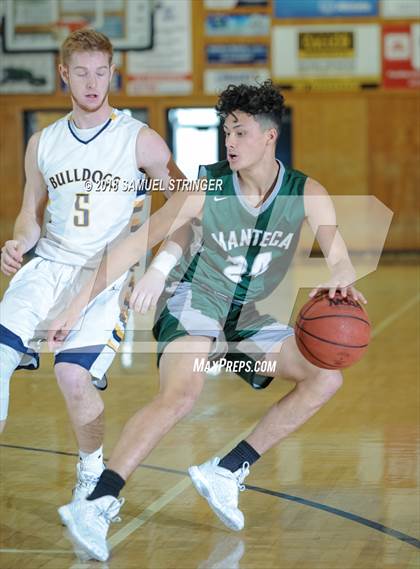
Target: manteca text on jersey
x=252, y=237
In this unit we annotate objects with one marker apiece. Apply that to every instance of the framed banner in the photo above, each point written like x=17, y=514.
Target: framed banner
x=327, y=56
x=215, y=80
x=231, y=54
x=27, y=73
x=41, y=25
x=232, y=4
x=324, y=9
x=401, y=56
x=167, y=68
x=400, y=9
x=237, y=25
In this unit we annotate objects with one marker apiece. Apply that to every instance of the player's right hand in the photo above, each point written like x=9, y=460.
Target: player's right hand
x=147, y=291
x=60, y=328
x=11, y=257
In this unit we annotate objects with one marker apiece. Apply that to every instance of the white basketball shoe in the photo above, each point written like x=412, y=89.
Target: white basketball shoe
x=221, y=487
x=88, y=522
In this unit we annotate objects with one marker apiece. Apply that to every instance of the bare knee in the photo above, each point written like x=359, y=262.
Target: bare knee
x=73, y=380
x=180, y=386
x=179, y=402
x=2, y=425
x=331, y=381
x=321, y=384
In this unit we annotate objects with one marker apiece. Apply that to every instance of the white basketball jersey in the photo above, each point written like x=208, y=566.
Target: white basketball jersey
x=93, y=186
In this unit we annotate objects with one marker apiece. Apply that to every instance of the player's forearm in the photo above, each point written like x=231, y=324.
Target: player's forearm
x=167, y=257
x=342, y=265
x=117, y=261
x=133, y=248
x=120, y=258
x=338, y=260
x=182, y=237
x=172, y=250
x=333, y=247
x=114, y=263
x=27, y=230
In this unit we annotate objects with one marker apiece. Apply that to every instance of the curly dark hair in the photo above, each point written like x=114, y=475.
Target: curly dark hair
x=263, y=101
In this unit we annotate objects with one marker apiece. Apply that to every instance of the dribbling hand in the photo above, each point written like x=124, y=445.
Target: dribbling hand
x=342, y=281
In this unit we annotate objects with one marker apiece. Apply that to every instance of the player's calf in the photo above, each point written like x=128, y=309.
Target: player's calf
x=84, y=404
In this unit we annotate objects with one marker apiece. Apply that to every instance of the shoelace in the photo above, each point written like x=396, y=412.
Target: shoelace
x=86, y=480
x=242, y=475
x=108, y=516
x=238, y=477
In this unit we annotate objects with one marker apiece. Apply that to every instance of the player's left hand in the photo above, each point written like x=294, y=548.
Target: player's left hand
x=147, y=291
x=343, y=282
x=60, y=328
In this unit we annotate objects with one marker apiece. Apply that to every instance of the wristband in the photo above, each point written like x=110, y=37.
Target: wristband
x=164, y=262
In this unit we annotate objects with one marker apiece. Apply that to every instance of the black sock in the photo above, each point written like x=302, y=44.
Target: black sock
x=243, y=452
x=110, y=483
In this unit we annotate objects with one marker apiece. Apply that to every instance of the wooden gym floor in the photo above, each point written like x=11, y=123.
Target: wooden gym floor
x=341, y=493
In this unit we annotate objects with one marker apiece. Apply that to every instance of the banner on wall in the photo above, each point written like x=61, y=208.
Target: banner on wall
x=324, y=8
x=400, y=9
x=41, y=25
x=327, y=56
x=215, y=80
x=238, y=25
x=167, y=68
x=232, y=4
x=231, y=54
x=401, y=56
x=26, y=73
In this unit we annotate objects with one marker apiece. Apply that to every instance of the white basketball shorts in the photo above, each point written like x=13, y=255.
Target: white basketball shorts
x=39, y=292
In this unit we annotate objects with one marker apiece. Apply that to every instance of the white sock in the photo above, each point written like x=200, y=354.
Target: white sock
x=92, y=461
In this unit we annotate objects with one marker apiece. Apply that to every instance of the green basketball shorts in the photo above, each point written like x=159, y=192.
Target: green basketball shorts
x=242, y=336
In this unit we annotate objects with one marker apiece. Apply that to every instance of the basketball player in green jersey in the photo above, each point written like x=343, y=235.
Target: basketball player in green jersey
x=251, y=222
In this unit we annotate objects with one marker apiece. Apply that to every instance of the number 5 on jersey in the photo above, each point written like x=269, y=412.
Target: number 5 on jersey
x=81, y=206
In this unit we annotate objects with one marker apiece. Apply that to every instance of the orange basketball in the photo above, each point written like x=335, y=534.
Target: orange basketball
x=332, y=333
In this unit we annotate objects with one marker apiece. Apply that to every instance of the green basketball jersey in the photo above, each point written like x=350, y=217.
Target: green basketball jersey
x=246, y=251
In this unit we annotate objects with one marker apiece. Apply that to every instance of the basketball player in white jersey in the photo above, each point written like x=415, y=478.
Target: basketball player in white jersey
x=83, y=172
